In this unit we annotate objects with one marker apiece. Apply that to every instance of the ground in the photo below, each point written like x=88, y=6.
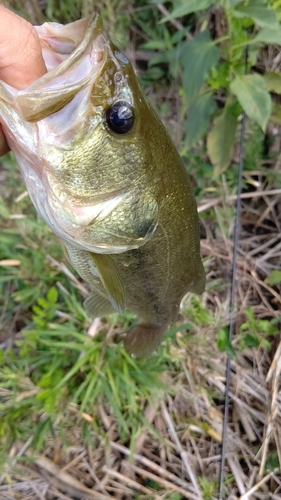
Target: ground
x=81, y=419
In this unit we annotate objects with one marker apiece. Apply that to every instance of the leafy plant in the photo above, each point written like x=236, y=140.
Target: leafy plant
x=257, y=332
x=223, y=342
x=55, y=381
x=55, y=364
x=220, y=75
x=209, y=488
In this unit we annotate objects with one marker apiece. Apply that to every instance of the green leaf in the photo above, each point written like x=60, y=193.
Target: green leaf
x=229, y=4
x=272, y=463
x=260, y=12
x=220, y=76
x=254, y=97
x=220, y=140
x=273, y=82
x=2, y=357
x=198, y=57
x=275, y=116
x=250, y=341
x=223, y=342
x=185, y=8
x=43, y=303
x=179, y=35
x=274, y=277
x=52, y=295
x=268, y=35
x=253, y=54
x=159, y=58
x=198, y=118
x=153, y=45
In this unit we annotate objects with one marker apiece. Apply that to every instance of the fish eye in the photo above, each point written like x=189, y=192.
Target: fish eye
x=120, y=117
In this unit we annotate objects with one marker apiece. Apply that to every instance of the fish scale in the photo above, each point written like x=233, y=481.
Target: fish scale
x=106, y=177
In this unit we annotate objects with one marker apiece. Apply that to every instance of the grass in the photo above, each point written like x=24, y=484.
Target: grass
x=79, y=418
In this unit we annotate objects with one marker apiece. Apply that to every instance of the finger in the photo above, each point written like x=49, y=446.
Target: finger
x=21, y=61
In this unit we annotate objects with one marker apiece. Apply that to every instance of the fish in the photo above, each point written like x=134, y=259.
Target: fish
x=102, y=171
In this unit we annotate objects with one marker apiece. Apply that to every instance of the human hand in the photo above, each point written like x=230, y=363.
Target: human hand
x=21, y=61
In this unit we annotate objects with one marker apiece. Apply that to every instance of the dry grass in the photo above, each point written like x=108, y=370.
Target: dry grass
x=178, y=454
x=189, y=423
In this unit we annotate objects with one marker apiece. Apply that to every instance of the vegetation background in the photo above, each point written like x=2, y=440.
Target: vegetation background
x=79, y=418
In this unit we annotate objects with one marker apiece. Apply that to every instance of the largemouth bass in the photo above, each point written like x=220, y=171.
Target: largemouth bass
x=103, y=173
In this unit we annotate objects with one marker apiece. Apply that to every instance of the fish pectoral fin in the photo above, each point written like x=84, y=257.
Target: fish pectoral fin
x=142, y=340
x=65, y=252
x=198, y=285
x=98, y=305
x=110, y=279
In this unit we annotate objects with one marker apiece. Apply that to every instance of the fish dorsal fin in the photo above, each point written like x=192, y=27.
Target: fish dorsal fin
x=110, y=279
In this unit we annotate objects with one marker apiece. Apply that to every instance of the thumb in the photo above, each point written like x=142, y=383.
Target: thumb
x=21, y=60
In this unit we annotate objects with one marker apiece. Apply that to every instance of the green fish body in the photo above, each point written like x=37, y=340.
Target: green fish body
x=103, y=173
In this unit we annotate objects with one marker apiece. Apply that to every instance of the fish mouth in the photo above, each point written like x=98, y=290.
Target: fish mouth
x=67, y=52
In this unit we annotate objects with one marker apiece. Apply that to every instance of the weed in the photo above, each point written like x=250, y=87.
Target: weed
x=257, y=332
x=63, y=391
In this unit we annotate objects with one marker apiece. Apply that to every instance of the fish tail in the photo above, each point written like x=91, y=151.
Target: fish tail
x=142, y=340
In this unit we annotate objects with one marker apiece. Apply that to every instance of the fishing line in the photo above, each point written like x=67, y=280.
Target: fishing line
x=232, y=296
